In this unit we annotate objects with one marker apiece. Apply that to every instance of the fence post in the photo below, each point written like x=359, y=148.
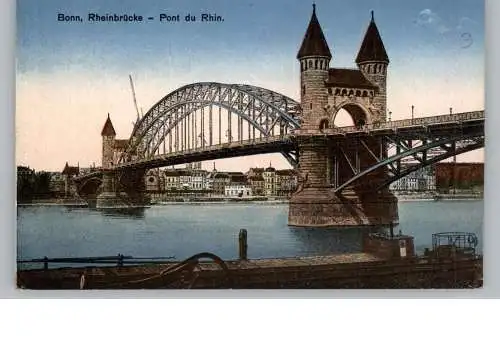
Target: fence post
x=120, y=260
x=45, y=263
x=243, y=246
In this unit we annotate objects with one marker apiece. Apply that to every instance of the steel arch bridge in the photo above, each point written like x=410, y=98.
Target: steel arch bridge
x=195, y=123
x=210, y=115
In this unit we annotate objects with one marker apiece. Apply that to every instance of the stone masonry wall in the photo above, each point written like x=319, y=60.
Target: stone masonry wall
x=376, y=72
x=314, y=94
x=107, y=151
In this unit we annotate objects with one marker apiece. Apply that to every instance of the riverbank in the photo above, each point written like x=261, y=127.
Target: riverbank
x=413, y=197
x=438, y=197
x=55, y=202
x=221, y=200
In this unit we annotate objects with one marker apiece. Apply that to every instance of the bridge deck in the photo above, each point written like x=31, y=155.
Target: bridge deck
x=435, y=125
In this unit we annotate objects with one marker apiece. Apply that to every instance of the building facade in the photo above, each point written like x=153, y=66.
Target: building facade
x=450, y=175
x=422, y=180
x=236, y=189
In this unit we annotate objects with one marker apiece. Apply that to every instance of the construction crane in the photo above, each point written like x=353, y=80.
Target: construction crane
x=133, y=95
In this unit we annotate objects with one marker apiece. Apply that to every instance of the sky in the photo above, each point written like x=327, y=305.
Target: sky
x=70, y=75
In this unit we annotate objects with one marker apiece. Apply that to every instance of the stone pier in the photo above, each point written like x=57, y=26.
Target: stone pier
x=320, y=207
x=109, y=198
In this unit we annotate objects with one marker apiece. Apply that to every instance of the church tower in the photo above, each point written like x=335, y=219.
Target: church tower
x=314, y=57
x=108, y=141
x=373, y=61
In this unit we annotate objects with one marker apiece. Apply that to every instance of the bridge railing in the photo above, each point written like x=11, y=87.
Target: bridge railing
x=421, y=121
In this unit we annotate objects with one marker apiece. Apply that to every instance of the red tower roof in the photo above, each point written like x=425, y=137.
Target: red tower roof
x=314, y=43
x=108, y=129
x=69, y=170
x=372, y=48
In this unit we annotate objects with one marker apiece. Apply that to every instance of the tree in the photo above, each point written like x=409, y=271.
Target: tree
x=42, y=184
x=24, y=184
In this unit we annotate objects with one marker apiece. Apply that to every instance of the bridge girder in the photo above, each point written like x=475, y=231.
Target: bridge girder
x=425, y=151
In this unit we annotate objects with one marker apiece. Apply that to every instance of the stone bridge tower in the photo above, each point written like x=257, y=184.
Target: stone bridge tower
x=119, y=189
x=326, y=162
x=108, y=142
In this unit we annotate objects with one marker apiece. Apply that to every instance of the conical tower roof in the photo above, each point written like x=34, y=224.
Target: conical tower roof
x=372, y=48
x=108, y=129
x=314, y=43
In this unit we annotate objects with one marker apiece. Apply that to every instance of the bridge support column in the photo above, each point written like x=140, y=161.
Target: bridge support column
x=315, y=204
x=110, y=198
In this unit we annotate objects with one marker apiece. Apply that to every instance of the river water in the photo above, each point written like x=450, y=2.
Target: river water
x=182, y=230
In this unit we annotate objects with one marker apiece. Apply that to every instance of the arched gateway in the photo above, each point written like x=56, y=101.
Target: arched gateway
x=326, y=162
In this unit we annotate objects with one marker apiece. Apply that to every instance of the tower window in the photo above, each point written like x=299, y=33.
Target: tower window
x=315, y=64
x=301, y=66
x=344, y=92
x=365, y=93
x=303, y=89
x=310, y=64
x=369, y=69
x=337, y=91
x=358, y=93
x=330, y=91
x=323, y=124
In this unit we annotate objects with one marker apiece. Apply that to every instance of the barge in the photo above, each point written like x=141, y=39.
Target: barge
x=386, y=262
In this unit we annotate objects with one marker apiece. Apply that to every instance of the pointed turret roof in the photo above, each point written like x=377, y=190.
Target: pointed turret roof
x=69, y=170
x=372, y=48
x=108, y=129
x=314, y=43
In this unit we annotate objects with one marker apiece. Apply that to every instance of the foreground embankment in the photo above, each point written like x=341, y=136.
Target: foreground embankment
x=382, y=264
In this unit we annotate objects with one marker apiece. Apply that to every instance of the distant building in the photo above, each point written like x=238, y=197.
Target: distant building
x=171, y=178
x=269, y=176
x=459, y=175
x=236, y=189
x=25, y=172
x=209, y=180
x=220, y=181
x=57, y=184
x=185, y=179
x=69, y=172
x=198, y=179
x=417, y=181
x=286, y=182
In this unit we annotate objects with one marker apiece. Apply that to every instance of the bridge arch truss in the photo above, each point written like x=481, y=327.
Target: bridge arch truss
x=203, y=115
x=407, y=153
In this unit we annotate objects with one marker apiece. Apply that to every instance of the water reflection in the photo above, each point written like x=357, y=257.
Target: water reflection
x=332, y=240
x=181, y=230
x=130, y=213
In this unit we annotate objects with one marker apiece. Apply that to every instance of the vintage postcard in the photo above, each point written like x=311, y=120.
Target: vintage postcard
x=250, y=144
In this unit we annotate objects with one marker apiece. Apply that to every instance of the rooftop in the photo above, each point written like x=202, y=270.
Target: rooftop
x=350, y=78
x=314, y=42
x=372, y=48
x=108, y=129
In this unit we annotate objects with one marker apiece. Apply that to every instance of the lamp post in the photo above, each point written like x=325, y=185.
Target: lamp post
x=412, y=109
x=454, y=179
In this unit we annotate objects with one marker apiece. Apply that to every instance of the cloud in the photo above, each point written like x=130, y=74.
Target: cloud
x=465, y=23
x=429, y=18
